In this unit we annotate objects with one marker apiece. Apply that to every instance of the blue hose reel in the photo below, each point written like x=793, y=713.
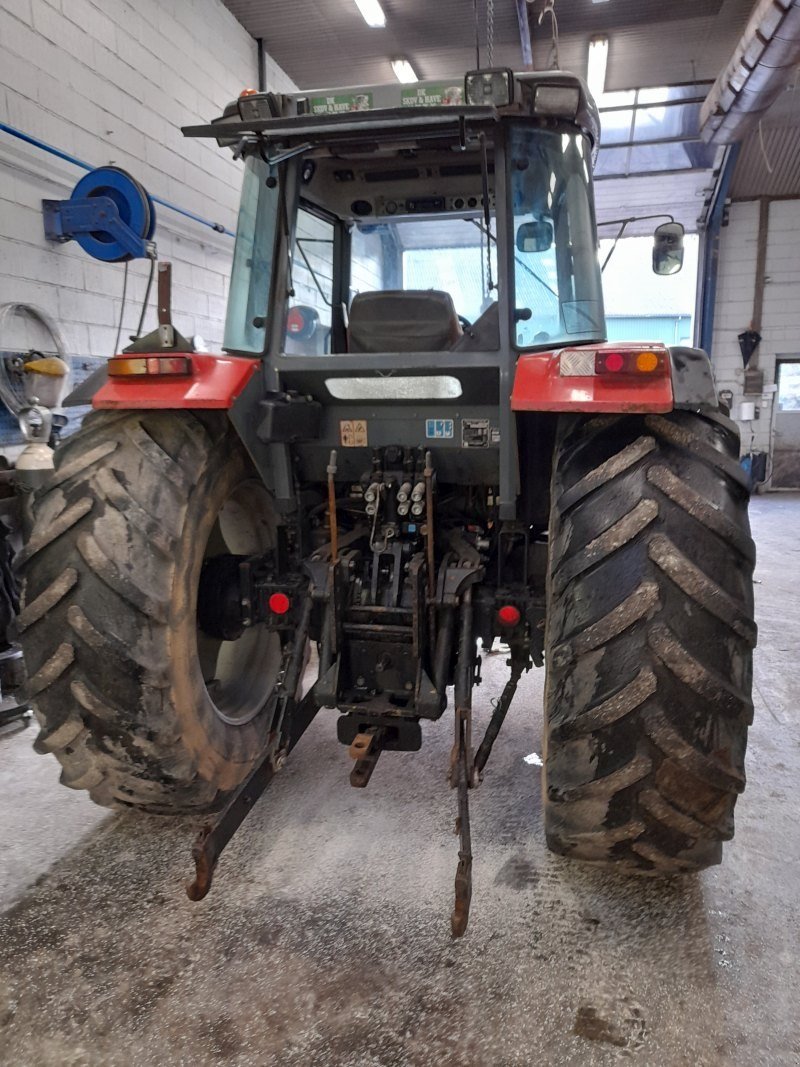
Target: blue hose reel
x=110, y=214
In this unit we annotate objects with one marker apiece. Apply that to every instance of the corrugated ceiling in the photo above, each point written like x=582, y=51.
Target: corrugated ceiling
x=769, y=161
x=325, y=43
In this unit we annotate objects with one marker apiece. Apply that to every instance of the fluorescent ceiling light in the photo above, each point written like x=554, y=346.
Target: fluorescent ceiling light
x=373, y=13
x=596, y=67
x=403, y=71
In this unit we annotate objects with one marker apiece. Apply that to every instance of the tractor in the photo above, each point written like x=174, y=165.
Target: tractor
x=417, y=444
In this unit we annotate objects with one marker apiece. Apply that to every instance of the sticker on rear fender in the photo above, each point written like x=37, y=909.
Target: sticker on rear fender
x=353, y=433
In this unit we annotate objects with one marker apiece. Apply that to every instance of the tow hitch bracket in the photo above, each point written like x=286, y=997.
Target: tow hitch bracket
x=365, y=750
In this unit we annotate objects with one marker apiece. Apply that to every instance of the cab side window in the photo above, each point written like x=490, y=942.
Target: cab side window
x=308, y=322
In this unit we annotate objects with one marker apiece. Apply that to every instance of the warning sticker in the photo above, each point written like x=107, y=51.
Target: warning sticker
x=474, y=433
x=353, y=433
x=438, y=428
x=337, y=105
x=433, y=96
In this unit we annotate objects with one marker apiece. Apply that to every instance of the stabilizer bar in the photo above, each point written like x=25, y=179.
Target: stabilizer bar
x=462, y=774
x=465, y=771
x=499, y=714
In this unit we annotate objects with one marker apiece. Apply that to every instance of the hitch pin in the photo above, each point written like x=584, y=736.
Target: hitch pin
x=332, y=507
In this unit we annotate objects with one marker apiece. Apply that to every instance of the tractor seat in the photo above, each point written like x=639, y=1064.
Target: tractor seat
x=403, y=320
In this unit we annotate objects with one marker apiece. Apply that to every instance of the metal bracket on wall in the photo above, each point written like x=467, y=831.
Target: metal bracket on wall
x=64, y=219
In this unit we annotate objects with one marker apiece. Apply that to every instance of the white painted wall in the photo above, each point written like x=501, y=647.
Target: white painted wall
x=780, y=330
x=113, y=82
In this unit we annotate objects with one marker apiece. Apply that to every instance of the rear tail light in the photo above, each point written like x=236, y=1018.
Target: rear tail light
x=622, y=362
x=612, y=362
x=142, y=366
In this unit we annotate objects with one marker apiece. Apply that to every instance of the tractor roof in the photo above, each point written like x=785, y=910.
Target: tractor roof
x=423, y=108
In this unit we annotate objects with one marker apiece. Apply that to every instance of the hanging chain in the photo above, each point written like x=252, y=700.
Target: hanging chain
x=490, y=32
x=477, y=35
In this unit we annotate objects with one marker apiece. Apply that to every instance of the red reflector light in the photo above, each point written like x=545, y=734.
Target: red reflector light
x=279, y=603
x=508, y=615
x=613, y=362
x=143, y=366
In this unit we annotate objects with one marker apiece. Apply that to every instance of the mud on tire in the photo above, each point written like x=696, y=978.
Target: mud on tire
x=108, y=620
x=649, y=640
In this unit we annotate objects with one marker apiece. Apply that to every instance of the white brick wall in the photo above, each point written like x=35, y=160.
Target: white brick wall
x=780, y=331
x=111, y=81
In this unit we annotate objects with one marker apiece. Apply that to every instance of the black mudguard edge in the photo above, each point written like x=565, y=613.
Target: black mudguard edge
x=693, y=384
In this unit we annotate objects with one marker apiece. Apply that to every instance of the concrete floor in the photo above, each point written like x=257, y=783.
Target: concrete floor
x=325, y=939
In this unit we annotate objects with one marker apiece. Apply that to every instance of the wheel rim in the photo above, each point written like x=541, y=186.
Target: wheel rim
x=239, y=676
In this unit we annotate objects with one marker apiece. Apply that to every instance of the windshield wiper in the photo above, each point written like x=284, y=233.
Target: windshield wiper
x=487, y=218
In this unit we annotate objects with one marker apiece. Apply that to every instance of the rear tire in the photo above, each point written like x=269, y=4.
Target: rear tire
x=649, y=640
x=118, y=674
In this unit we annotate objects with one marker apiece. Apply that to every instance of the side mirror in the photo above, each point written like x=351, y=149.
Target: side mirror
x=668, y=248
x=535, y=236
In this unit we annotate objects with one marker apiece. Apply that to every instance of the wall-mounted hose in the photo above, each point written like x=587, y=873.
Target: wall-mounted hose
x=53, y=151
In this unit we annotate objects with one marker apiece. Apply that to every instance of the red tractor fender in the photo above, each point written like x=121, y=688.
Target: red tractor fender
x=539, y=384
x=214, y=382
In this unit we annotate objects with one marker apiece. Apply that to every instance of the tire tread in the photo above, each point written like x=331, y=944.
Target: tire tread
x=649, y=641
x=122, y=481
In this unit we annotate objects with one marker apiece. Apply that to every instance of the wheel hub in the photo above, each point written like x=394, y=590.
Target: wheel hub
x=239, y=661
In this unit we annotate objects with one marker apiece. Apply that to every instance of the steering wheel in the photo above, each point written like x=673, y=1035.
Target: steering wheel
x=464, y=322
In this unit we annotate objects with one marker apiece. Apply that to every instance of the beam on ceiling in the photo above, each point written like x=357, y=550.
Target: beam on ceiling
x=262, y=65
x=524, y=34
x=757, y=73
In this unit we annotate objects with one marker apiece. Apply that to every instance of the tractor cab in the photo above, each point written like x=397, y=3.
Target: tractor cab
x=405, y=245
x=486, y=182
